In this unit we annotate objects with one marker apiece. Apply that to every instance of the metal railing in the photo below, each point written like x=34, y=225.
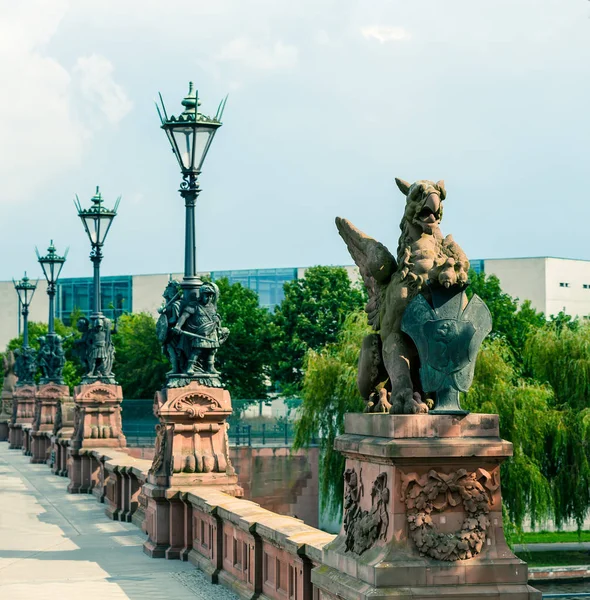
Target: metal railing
x=281, y=434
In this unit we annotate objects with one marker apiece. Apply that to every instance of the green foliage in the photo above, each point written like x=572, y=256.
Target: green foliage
x=511, y=321
x=560, y=356
x=555, y=537
x=310, y=316
x=72, y=372
x=243, y=359
x=140, y=366
x=329, y=391
x=526, y=419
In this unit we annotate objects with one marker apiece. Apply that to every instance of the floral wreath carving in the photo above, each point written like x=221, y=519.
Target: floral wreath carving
x=435, y=492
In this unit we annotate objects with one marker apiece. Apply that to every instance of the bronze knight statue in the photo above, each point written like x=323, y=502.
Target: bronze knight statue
x=388, y=375
x=190, y=331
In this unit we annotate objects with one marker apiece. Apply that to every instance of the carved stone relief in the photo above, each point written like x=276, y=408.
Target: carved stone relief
x=435, y=492
x=364, y=527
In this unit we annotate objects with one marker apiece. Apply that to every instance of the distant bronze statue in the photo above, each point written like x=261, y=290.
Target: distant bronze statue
x=388, y=376
x=51, y=358
x=25, y=365
x=95, y=349
x=169, y=313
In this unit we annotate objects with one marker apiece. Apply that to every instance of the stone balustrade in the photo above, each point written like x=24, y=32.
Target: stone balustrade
x=236, y=542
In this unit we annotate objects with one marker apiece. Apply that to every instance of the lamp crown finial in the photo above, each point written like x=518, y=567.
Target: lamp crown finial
x=191, y=100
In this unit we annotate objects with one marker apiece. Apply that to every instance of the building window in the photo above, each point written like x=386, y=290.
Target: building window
x=477, y=265
x=77, y=293
x=267, y=283
x=564, y=284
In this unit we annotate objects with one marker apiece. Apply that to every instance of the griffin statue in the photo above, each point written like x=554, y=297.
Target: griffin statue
x=388, y=374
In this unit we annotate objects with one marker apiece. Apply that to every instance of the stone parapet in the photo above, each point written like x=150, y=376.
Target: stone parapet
x=49, y=397
x=63, y=430
x=423, y=512
x=23, y=413
x=5, y=413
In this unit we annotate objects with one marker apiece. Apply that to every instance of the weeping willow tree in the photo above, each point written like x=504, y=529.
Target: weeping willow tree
x=329, y=391
x=527, y=419
x=559, y=356
x=545, y=416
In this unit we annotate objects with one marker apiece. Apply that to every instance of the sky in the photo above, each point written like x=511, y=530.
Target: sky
x=328, y=101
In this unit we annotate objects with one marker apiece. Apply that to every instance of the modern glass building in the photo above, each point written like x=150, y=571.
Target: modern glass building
x=267, y=283
x=477, y=265
x=76, y=293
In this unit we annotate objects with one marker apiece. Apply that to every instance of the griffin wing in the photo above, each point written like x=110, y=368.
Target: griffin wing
x=375, y=262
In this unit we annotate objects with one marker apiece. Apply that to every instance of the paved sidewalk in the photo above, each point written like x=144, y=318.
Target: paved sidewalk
x=55, y=545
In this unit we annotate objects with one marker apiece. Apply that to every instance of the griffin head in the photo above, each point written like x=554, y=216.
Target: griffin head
x=424, y=203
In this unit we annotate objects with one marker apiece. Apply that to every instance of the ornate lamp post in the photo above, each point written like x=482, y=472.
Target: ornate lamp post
x=190, y=135
x=96, y=346
x=98, y=398
x=51, y=355
x=191, y=444
x=26, y=366
x=189, y=344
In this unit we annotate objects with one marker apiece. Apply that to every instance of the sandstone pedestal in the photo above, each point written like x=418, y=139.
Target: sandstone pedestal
x=23, y=413
x=63, y=430
x=5, y=414
x=422, y=512
x=48, y=398
x=192, y=449
x=97, y=424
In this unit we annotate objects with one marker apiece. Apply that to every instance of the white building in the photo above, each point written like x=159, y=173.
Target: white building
x=551, y=284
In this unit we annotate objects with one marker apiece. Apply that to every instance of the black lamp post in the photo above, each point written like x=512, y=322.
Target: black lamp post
x=51, y=355
x=96, y=344
x=52, y=264
x=190, y=135
x=97, y=221
x=25, y=361
x=25, y=290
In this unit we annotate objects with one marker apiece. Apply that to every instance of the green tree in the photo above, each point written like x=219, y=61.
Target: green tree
x=243, y=359
x=511, y=321
x=310, y=316
x=72, y=372
x=527, y=419
x=559, y=356
x=329, y=391
x=140, y=366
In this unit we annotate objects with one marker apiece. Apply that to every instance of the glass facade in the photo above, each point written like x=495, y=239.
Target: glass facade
x=477, y=265
x=267, y=283
x=76, y=293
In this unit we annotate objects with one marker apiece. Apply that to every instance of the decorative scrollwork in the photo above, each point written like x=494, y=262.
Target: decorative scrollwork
x=196, y=406
x=364, y=527
x=435, y=492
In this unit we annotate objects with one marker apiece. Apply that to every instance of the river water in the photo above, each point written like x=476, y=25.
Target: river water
x=548, y=589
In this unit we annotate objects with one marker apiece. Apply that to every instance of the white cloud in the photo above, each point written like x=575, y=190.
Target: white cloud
x=254, y=55
x=42, y=133
x=41, y=137
x=95, y=78
x=383, y=33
